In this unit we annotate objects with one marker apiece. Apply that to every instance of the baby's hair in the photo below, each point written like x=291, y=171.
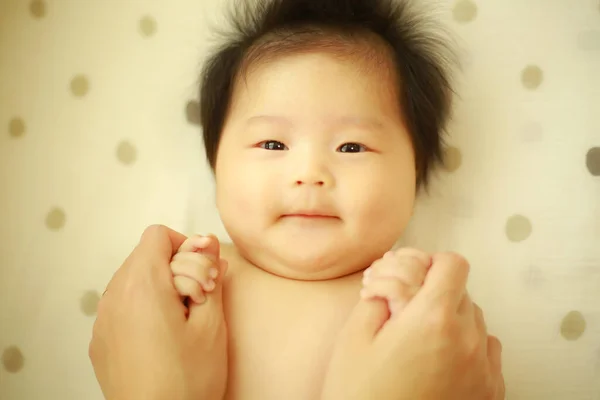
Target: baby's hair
x=421, y=60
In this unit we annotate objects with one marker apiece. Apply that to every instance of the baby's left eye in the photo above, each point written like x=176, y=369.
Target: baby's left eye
x=352, y=148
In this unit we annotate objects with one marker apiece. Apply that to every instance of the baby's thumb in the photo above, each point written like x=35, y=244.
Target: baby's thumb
x=210, y=312
x=212, y=249
x=365, y=321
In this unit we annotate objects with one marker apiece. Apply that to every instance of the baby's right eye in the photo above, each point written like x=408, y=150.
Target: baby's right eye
x=272, y=145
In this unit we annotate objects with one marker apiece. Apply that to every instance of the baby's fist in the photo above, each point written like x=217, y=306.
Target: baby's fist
x=396, y=277
x=197, y=267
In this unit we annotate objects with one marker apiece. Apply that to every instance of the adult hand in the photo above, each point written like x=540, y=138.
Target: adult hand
x=436, y=348
x=143, y=344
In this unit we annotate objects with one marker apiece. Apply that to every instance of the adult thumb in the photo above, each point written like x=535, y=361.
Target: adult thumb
x=365, y=321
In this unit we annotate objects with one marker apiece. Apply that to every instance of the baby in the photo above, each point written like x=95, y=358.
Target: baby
x=322, y=121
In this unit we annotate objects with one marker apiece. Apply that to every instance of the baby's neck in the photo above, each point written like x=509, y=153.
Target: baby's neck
x=243, y=265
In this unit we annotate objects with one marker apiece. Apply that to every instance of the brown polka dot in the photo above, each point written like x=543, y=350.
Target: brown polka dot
x=80, y=85
x=192, y=112
x=37, y=8
x=593, y=161
x=16, y=127
x=13, y=359
x=464, y=11
x=55, y=220
x=89, y=303
x=532, y=77
x=126, y=153
x=452, y=159
x=518, y=228
x=147, y=26
x=572, y=326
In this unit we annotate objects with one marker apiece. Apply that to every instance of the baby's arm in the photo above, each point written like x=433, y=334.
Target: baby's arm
x=197, y=267
x=396, y=277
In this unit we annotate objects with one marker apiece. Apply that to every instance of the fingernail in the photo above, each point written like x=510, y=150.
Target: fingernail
x=388, y=254
x=365, y=280
x=210, y=285
x=364, y=293
x=367, y=271
x=213, y=273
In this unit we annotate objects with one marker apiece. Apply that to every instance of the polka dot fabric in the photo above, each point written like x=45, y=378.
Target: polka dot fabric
x=102, y=137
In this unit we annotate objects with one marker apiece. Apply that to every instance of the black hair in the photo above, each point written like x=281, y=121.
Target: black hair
x=422, y=60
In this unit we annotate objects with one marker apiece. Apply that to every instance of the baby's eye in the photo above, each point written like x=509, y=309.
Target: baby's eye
x=352, y=148
x=272, y=145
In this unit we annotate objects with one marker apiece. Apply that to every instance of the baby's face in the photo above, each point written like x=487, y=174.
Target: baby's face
x=315, y=171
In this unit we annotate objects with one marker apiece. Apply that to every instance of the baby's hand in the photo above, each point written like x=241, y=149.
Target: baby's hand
x=197, y=267
x=396, y=277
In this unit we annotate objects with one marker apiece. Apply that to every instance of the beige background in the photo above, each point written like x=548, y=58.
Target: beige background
x=96, y=142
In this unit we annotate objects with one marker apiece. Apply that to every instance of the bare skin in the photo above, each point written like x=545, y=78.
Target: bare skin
x=313, y=189
x=283, y=332
x=145, y=346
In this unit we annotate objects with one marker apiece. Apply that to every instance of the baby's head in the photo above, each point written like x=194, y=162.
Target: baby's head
x=322, y=120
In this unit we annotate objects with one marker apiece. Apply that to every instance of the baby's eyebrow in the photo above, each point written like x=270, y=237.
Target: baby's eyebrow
x=368, y=123
x=275, y=119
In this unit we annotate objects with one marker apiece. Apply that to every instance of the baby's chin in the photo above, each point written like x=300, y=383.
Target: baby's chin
x=307, y=266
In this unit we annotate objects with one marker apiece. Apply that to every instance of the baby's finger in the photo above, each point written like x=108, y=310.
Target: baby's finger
x=397, y=293
x=391, y=289
x=420, y=255
x=197, y=267
x=408, y=269
x=194, y=243
x=187, y=287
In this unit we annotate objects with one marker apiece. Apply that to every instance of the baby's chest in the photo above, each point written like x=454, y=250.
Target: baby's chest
x=280, y=341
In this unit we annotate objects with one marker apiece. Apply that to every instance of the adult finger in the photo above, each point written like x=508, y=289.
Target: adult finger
x=479, y=320
x=501, y=391
x=445, y=282
x=365, y=321
x=494, y=353
x=159, y=243
x=466, y=308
